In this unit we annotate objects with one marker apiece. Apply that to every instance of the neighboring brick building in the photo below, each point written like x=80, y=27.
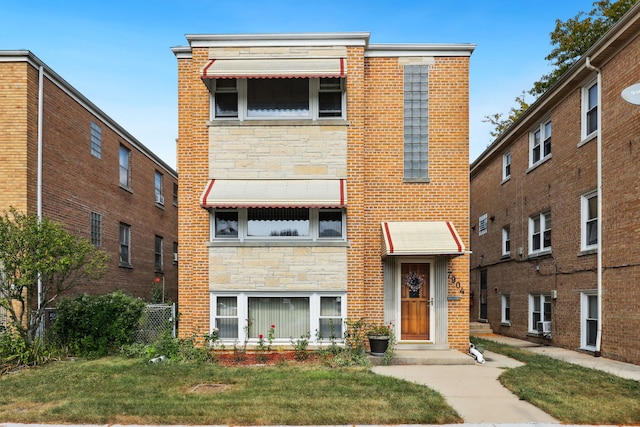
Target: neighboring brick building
x=534, y=210
x=96, y=179
x=320, y=175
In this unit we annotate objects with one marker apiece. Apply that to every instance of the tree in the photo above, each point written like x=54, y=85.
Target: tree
x=501, y=124
x=39, y=261
x=571, y=39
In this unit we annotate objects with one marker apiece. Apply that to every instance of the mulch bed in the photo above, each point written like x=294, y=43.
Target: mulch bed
x=250, y=358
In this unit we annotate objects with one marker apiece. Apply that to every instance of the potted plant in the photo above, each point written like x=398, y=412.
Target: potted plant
x=379, y=336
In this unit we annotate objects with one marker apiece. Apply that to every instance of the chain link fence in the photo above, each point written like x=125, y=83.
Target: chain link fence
x=157, y=319
x=4, y=319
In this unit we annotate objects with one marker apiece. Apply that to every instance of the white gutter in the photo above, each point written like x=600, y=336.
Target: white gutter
x=39, y=166
x=599, y=190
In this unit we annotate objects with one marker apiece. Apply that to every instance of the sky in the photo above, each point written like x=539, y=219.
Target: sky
x=117, y=53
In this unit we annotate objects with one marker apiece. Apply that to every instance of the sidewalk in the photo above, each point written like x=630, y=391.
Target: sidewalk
x=476, y=394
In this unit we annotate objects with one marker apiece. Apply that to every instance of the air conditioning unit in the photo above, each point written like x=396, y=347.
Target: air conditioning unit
x=544, y=327
x=175, y=257
x=160, y=199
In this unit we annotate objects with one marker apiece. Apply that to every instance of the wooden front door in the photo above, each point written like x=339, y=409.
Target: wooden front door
x=414, y=298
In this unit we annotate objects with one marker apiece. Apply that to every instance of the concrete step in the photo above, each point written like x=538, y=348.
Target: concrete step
x=479, y=328
x=426, y=357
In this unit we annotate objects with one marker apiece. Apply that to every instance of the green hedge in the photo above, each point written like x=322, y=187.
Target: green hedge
x=96, y=325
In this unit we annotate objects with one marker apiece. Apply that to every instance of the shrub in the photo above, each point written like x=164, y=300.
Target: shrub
x=95, y=326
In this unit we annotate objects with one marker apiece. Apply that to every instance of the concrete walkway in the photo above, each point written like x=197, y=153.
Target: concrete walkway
x=476, y=394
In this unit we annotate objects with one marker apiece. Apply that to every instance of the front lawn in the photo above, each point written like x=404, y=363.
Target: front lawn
x=130, y=391
x=570, y=393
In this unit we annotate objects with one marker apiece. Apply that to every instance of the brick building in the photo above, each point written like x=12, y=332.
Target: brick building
x=321, y=175
x=549, y=262
x=92, y=176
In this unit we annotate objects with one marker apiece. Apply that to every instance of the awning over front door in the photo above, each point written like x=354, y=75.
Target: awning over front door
x=274, y=193
x=421, y=238
x=274, y=68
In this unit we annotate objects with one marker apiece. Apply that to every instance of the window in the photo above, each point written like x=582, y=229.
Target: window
x=278, y=224
x=416, y=122
x=247, y=315
x=330, y=318
x=96, y=140
x=506, y=241
x=540, y=143
x=506, y=166
x=540, y=233
x=125, y=245
x=96, y=229
x=158, y=188
x=540, y=314
x=175, y=252
x=281, y=98
x=482, y=225
x=125, y=167
x=589, y=310
x=506, y=309
x=589, y=239
x=158, y=260
x=175, y=194
x=589, y=109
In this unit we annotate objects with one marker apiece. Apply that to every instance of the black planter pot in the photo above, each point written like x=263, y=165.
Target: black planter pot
x=378, y=344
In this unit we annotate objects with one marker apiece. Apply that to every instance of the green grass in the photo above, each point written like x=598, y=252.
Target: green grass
x=127, y=391
x=570, y=393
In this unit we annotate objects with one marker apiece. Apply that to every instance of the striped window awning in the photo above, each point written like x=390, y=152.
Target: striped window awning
x=275, y=193
x=421, y=238
x=274, y=68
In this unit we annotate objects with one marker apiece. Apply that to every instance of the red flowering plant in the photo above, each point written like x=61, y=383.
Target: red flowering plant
x=265, y=345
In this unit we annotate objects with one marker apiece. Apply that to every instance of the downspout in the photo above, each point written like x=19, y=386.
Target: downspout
x=599, y=190
x=39, y=166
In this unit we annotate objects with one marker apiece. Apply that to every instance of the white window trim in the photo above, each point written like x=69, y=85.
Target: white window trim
x=505, y=298
x=584, y=217
x=313, y=114
x=158, y=188
x=243, y=313
x=543, y=228
x=506, y=162
x=314, y=232
x=543, y=137
x=584, y=312
x=506, y=235
x=533, y=329
x=585, y=110
x=482, y=225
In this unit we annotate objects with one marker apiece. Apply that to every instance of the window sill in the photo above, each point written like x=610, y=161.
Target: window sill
x=539, y=254
x=127, y=266
x=588, y=139
x=127, y=189
x=540, y=162
x=271, y=243
x=278, y=122
x=505, y=180
x=416, y=180
x=586, y=252
x=159, y=206
x=505, y=323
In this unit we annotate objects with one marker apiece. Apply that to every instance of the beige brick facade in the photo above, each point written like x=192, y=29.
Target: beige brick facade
x=76, y=183
x=365, y=147
x=557, y=185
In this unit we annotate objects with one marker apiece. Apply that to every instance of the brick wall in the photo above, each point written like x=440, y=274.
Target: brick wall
x=193, y=221
x=558, y=185
x=76, y=183
x=374, y=171
x=388, y=198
